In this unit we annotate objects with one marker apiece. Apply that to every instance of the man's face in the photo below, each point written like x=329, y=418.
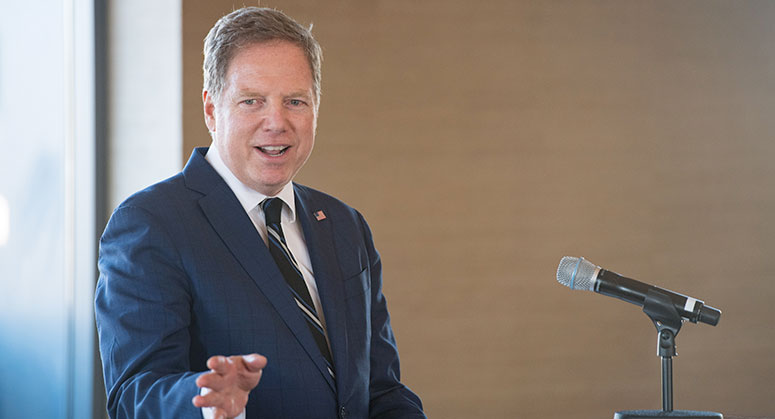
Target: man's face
x=264, y=121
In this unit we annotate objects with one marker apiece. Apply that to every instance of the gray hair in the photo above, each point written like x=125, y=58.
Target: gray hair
x=251, y=25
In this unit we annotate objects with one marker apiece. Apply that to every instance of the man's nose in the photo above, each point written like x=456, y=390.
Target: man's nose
x=274, y=118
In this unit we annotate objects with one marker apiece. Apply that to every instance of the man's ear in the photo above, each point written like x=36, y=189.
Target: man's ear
x=209, y=109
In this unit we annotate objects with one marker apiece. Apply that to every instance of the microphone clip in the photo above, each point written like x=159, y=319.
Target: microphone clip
x=661, y=310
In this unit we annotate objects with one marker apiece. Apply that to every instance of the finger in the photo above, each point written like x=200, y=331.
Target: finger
x=254, y=362
x=213, y=380
x=219, y=364
x=208, y=398
x=200, y=401
x=219, y=413
x=250, y=368
x=228, y=407
x=248, y=381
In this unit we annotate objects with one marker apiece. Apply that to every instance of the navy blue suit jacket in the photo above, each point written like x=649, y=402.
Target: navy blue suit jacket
x=184, y=275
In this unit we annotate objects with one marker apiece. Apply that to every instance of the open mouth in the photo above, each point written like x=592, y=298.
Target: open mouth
x=274, y=150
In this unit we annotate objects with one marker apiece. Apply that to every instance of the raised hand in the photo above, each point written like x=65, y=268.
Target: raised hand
x=229, y=381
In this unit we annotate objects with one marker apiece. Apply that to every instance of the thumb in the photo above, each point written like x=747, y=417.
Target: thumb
x=254, y=362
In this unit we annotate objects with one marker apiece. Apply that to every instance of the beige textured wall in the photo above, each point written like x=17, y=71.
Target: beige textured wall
x=485, y=140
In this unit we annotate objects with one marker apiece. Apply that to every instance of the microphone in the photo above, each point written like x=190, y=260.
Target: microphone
x=580, y=274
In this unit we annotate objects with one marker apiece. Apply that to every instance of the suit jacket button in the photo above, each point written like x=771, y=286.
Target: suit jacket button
x=342, y=412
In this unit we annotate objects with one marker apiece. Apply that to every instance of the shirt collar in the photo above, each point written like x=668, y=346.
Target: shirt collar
x=250, y=198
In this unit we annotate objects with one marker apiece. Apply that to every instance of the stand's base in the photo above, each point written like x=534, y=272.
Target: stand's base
x=675, y=414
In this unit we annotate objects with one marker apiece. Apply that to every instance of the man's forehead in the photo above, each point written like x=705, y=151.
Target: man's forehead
x=282, y=60
x=267, y=51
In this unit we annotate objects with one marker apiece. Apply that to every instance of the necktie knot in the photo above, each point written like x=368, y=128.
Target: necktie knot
x=272, y=207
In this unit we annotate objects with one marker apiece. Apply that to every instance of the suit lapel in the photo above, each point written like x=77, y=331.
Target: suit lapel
x=320, y=243
x=232, y=224
x=240, y=236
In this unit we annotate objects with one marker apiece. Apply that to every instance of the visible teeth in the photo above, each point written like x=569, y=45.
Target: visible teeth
x=274, y=150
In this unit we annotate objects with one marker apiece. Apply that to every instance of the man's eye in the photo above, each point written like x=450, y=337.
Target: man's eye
x=295, y=102
x=249, y=101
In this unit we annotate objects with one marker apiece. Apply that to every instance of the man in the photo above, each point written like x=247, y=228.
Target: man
x=216, y=299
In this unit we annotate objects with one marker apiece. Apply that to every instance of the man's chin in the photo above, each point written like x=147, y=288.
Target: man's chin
x=270, y=188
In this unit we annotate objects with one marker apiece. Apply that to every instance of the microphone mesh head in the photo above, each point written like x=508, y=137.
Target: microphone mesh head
x=577, y=273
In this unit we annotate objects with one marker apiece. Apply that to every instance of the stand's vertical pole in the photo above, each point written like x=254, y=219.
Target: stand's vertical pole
x=662, y=311
x=666, y=318
x=667, y=384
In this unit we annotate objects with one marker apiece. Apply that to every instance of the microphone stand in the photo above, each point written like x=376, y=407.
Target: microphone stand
x=663, y=313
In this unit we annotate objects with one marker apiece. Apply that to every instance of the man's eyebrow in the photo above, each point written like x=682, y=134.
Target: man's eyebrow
x=303, y=93
x=248, y=92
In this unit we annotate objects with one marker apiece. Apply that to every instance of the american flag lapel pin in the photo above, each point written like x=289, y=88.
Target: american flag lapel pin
x=320, y=215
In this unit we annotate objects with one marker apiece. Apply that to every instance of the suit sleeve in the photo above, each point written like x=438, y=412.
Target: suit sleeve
x=142, y=309
x=389, y=398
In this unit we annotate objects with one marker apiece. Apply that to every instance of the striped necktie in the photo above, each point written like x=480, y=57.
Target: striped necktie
x=290, y=270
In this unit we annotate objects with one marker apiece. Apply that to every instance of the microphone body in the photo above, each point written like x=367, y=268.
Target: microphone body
x=578, y=273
